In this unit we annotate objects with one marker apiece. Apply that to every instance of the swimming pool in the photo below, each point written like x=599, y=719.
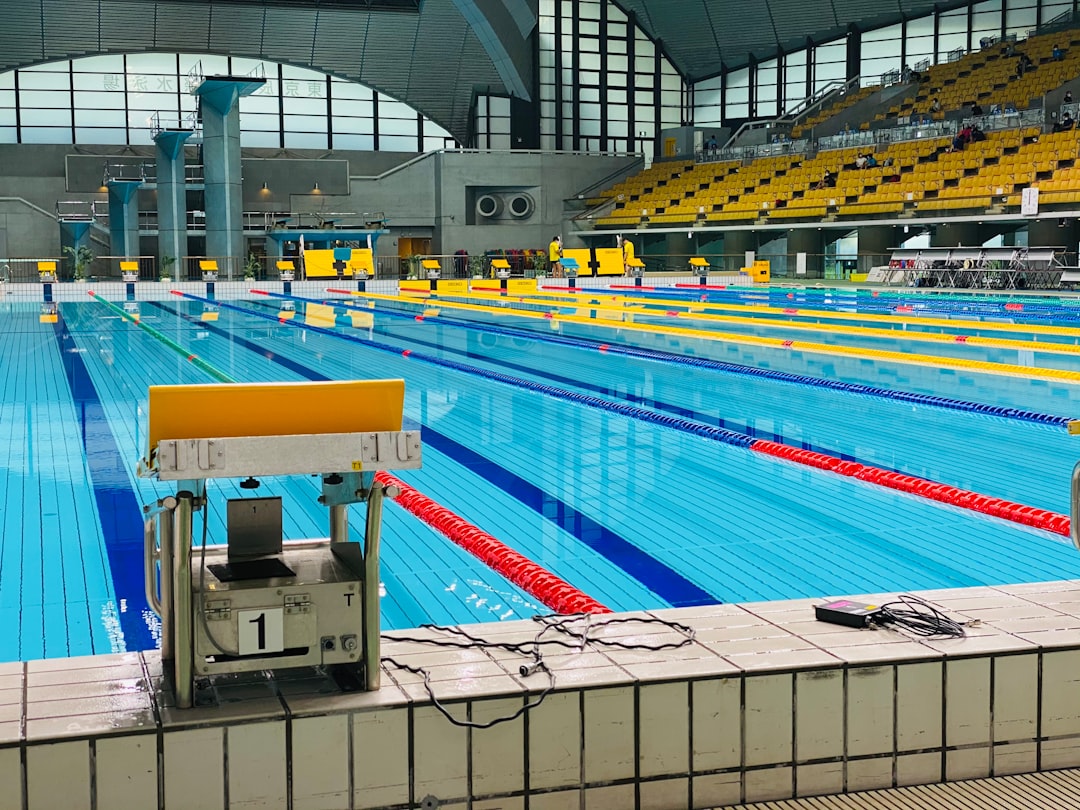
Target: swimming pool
x=538, y=435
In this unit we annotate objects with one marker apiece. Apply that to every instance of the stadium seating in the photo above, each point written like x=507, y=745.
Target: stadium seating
x=923, y=177
x=990, y=78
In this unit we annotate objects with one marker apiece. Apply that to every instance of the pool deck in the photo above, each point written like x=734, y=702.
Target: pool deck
x=764, y=704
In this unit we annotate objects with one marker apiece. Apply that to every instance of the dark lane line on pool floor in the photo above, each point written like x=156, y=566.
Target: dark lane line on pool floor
x=665, y=582
x=118, y=505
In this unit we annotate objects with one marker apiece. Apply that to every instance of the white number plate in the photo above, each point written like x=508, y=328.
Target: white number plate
x=260, y=631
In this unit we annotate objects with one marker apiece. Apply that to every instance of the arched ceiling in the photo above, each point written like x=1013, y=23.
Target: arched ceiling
x=703, y=37
x=432, y=54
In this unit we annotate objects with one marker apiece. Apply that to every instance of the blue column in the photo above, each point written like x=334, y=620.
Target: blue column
x=124, y=216
x=73, y=233
x=221, y=163
x=171, y=194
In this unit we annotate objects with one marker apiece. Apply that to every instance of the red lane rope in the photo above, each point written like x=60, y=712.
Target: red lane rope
x=966, y=499
x=630, y=287
x=702, y=286
x=554, y=592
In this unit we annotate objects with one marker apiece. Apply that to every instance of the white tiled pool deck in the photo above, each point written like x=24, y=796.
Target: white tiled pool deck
x=766, y=704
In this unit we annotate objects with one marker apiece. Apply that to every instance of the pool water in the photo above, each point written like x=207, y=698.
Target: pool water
x=634, y=513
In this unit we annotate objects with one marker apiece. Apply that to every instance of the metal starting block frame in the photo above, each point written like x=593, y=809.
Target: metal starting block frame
x=255, y=602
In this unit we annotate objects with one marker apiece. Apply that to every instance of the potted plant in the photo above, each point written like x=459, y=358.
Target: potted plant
x=540, y=265
x=252, y=267
x=81, y=257
x=167, y=262
x=476, y=266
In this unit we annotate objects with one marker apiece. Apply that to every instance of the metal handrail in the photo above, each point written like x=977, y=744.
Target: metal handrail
x=1074, y=507
x=152, y=556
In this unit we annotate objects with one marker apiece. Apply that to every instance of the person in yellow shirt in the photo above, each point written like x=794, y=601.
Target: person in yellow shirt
x=627, y=253
x=555, y=257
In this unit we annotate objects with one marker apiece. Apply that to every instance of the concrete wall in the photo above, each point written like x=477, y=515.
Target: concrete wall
x=26, y=230
x=433, y=195
x=440, y=191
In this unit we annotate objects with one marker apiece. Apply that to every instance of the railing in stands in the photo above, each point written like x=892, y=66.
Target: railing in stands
x=819, y=98
x=780, y=147
x=800, y=111
x=916, y=132
x=1007, y=120
x=1067, y=19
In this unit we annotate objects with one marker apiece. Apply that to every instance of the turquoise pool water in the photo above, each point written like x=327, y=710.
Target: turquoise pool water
x=636, y=514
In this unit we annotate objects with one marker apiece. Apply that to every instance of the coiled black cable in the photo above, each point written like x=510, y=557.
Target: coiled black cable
x=914, y=616
x=566, y=631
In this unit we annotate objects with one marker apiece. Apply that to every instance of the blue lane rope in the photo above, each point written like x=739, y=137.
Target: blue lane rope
x=1034, y=311
x=732, y=368
x=729, y=437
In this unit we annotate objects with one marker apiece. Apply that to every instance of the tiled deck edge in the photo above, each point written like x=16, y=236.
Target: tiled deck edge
x=765, y=704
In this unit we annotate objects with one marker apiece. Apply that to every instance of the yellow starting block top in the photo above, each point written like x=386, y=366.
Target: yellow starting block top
x=634, y=262
x=130, y=267
x=286, y=265
x=430, y=264
x=273, y=409
x=698, y=261
x=46, y=267
x=208, y=265
x=500, y=264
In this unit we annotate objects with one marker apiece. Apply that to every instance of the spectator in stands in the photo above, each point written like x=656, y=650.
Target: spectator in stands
x=936, y=106
x=871, y=162
x=1065, y=124
x=906, y=74
x=1009, y=49
x=861, y=161
x=976, y=108
x=1068, y=97
x=711, y=145
x=555, y=256
x=958, y=143
x=1057, y=53
x=461, y=263
x=887, y=162
x=977, y=134
x=828, y=180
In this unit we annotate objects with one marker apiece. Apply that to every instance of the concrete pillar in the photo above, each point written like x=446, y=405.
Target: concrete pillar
x=124, y=216
x=810, y=241
x=1052, y=233
x=73, y=234
x=736, y=243
x=171, y=194
x=955, y=234
x=876, y=243
x=679, y=248
x=218, y=97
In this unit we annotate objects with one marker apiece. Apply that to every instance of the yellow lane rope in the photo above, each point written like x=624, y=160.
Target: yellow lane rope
x=837, y=329
x=797, y=312
x=1003, y=369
